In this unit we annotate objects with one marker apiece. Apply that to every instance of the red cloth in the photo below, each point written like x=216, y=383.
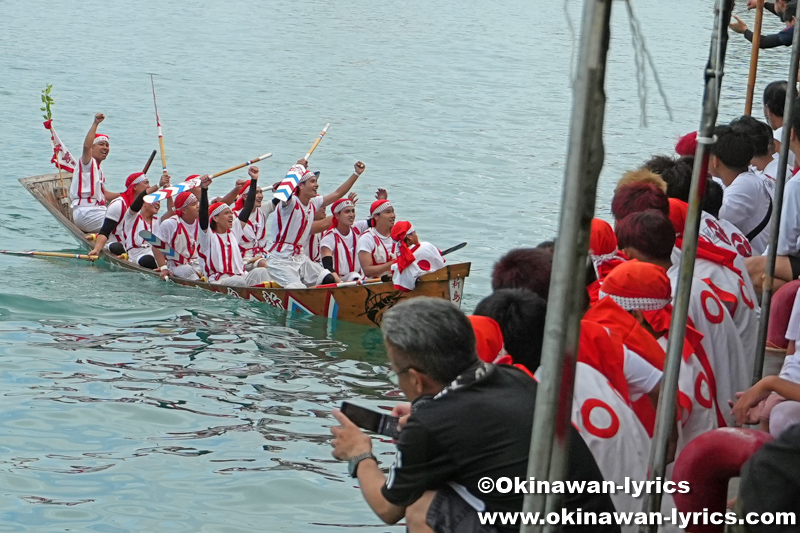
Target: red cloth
x=603, y=351
x=687, y=145
x=239, y=205
x=214, y=206
x=375, y=205
x=603, y=253
x=488, y=337
x=602, y=239
x=127, y=195
x=405, y=257
x=678, y=210
x=182, y=200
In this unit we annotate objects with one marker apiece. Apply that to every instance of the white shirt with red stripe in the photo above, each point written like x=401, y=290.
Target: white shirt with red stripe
x=117, y=210
x=697, y=406
x=252, y=237
x=88, y=185
x=343, y=248
x=427, y=258
x=289, y=229
x=219, y=254
x=182, y=238
x=382, y=248
x=721, y=341
x=135, y=245
x=611, y=430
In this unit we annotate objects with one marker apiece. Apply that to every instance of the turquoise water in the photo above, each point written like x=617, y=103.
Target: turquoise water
x=134, y=405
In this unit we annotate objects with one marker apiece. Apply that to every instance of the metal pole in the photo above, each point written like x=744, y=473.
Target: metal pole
x=777, y=210
x=751, y=79
x=551, y=421
x=666, y=411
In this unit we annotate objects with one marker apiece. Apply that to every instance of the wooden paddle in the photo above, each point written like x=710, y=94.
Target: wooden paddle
x=751, y=79
x=454, y=248
x=287, y=186
x=175, y=190
x=160, y=245
x=160, y=135
x=53, y=254
x=149, y=162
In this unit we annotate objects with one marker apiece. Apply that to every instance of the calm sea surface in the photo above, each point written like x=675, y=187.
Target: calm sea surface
x=132, y=405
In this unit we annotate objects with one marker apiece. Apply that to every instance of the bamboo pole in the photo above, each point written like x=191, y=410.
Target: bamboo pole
x=666, y=410
x=316, y=143
x=777, y=210
x=158, y=126
x=751, y=80
x=551, y=421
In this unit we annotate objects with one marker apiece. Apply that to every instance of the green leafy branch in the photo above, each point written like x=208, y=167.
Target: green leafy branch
x=47, y=101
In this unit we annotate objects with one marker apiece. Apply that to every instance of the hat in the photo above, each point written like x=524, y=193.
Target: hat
x=379, y=206
x=405, y=257
x=100, y=137
x=488, y=338
x=184, y=199
x=678, y=210
x=687, y=145
x=217, y=208
x=638, y=286
x=308, y=175
x=401, y=229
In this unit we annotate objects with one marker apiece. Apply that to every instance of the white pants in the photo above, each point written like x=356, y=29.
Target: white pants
x=89, y=218
x=184, y=272
x=255, y=277
x=352, y=276
x=295, y=272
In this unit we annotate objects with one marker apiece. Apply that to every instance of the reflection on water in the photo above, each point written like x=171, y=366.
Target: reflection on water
x=151, y=423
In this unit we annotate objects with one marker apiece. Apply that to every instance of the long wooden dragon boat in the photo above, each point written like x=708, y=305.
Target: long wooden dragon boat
x=360, y=304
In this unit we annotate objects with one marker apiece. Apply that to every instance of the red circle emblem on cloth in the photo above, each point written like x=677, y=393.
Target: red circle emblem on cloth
x=586, y=412
x=703, y=394
x=718, y=314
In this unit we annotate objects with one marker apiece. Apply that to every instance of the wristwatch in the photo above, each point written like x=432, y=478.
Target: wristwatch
x=352, y=465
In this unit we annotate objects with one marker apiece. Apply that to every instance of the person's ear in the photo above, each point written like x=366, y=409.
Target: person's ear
x=418, y=381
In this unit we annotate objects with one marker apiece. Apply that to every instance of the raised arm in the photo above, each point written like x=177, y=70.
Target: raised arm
x=203, y=216
x=250, y=201
x=345, y=187
x=88, y=142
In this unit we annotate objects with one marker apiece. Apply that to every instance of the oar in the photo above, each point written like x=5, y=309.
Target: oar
x=454, y=248
x=314, y=146
x=53, y=254
x=175, y=190
x=751, y=79
x=149, y=162
x=158, y=125
x=160, y=245
x=289, y=183
x=347, y=283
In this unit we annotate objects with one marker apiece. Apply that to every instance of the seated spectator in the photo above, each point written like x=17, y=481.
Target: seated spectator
x=469, y=420
x=524, y=268
x=600, y=406
x=650, y=237
x=787, y=262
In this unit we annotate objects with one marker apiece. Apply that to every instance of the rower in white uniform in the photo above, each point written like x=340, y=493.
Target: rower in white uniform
x=339, y=243
x=414, y=258
x=180, y=233
x=87, y=192
x=218, y=248
x=376, y=249
x=253, y=235
x=290, y=230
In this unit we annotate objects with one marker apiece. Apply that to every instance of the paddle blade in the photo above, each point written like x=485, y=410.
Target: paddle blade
x=158, y=244
x=454, y=248
x=289, y=183
x=174, y=190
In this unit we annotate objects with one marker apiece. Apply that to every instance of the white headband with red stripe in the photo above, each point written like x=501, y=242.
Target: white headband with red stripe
x=637, y=304
x=381, y=208
x=220, y=208
x=343, y=205
x=140, y=179
x=101, y=137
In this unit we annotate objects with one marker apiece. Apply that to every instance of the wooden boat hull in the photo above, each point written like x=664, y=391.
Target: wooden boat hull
x=360, y=304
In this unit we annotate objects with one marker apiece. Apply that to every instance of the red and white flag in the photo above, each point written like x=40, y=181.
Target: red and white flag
x=61, y=157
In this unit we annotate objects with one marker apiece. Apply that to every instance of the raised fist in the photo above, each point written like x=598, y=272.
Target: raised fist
x=359, y=166
x=99, y=117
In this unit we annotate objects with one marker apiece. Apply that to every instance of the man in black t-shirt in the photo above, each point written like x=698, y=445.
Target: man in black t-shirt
x=469, y=420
